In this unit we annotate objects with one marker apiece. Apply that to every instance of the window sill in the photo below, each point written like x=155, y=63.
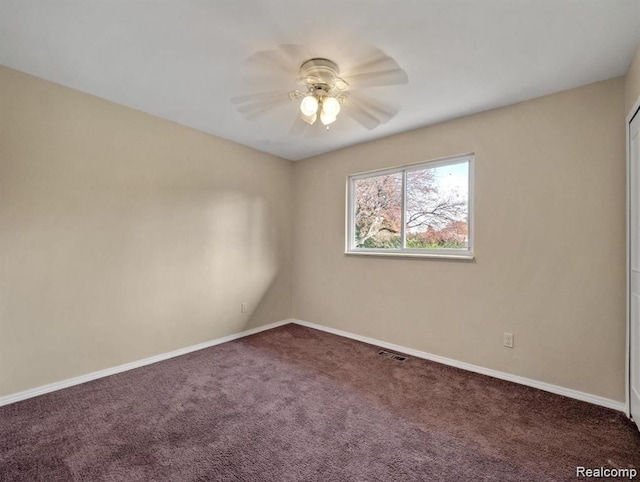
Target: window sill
x=382, y=254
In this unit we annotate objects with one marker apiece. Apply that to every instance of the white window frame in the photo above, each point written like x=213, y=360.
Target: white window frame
x=350, y=247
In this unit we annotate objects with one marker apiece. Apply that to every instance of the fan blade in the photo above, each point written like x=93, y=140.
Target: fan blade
x=362, y=117
x=259, y=110
x=377, y=69
x=298, y=126
x=273, y=58
x=379, y=78
x=376, y=61
x=296, y=54
x=260, y=97
x=368, y=113
x=286, y=58
x=301, y=128
x=254, y=105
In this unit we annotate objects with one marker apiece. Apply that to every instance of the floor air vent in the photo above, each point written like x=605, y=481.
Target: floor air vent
x=393, y=356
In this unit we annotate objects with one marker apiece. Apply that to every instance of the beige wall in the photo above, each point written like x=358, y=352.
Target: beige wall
x=124, y=236
x=550, y=263
x=632, y=82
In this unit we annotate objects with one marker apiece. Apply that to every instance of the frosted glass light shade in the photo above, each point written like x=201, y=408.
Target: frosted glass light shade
x=327, y=119
x=309, y=119
x=330, y=106
x=309, y=105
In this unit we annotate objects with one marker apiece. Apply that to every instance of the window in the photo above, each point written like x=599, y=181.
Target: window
x=418, y=210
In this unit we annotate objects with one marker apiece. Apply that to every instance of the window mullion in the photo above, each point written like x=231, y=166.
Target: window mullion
x=403, y=234
x=351, y=215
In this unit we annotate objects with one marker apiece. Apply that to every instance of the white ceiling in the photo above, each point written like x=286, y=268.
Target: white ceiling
x=183, y=60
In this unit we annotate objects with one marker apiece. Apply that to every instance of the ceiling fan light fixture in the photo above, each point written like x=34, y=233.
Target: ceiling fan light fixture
x=309, y=105
x=330, y=107
x=327, y=119
x=341, y=84
x=323, y=93
x=309, y=119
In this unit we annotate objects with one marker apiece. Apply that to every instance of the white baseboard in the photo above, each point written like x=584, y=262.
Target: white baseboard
x=567, y=392
x=52, y=387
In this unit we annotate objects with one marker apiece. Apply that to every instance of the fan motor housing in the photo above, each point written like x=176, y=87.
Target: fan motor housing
x=318, y=66
x=322, y=74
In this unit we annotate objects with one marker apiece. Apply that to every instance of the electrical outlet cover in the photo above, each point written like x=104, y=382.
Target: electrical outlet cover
x=508, y=340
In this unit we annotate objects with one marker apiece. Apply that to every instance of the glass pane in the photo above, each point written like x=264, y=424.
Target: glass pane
x=378, y=211
x=437, y=207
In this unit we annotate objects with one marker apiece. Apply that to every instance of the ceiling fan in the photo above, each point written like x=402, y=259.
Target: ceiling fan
x=323, y=90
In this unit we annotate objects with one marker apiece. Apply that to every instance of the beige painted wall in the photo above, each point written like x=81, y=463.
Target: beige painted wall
x=124, y=236
x=550, y=263
x=632, y=82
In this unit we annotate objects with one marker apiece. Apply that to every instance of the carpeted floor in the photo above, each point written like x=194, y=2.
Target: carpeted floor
x=298, y=404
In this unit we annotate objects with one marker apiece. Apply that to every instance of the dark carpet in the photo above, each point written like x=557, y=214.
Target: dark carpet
x=298, y=404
